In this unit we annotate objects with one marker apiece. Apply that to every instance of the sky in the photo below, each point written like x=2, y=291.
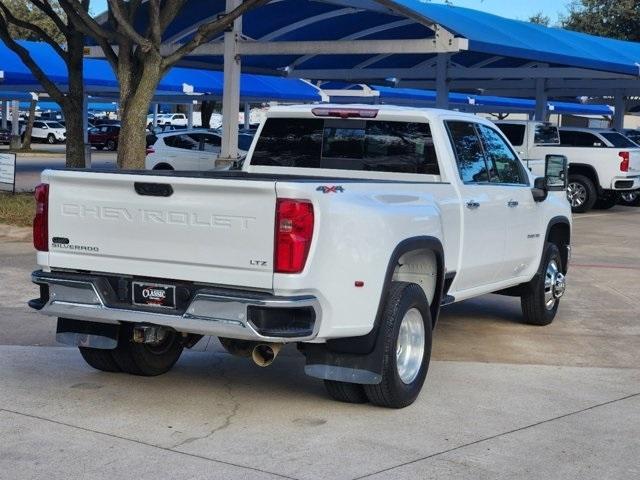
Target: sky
x=518, y=9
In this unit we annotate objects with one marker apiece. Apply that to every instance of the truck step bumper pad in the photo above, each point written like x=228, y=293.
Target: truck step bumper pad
x=265, y=318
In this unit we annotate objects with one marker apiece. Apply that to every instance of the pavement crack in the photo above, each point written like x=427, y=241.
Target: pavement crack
x=146, y=444
x=498, y=435
x=228, y=419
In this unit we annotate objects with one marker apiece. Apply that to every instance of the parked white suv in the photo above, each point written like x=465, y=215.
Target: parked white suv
x=602, y=163
x=346, y=230
x=185, y=150
x=48, y=131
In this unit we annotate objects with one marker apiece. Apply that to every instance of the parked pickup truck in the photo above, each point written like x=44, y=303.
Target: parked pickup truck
x=346, y=230
x=600, y=166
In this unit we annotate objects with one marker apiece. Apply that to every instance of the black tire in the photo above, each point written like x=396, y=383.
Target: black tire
x=99, y=147
x=99, y=359
x=392, y=392
x=111, y=145
x=607, y=201
x=51, y=139
x=532, y=300
x=630, y=199
x=346, y=392
x=590, y=191
x=146, y=360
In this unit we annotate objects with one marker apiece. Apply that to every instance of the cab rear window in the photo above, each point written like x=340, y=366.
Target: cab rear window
x=360, y=145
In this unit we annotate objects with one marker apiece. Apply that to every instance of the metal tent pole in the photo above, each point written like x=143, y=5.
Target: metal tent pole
x=541, y=100
x=155, y=115
x=247, y=115
x=15, y=125
x=190, y=116
x=231, y=92
x=85, y=132
x=442, y=82
x=621, y=107
x=5, y=114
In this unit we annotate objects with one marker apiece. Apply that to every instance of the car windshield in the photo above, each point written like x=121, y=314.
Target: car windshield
x=54, y=125
x=618, y=140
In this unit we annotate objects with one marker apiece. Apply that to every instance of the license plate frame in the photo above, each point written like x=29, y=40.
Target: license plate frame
x=155, y=295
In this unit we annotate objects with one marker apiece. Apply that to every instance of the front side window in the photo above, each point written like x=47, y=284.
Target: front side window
x=210, y=143
x=467, y=147
x=375, y=146
x=504, y=166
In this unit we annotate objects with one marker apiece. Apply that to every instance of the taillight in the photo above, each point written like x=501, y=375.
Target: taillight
x=294, y=229
x=624, y=164
x=41, y=219
x=150, y=150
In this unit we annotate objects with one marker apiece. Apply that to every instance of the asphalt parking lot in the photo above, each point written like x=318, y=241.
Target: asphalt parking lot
x=502, y=399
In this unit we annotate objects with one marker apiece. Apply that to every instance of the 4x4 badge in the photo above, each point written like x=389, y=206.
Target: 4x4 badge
x=330, y=188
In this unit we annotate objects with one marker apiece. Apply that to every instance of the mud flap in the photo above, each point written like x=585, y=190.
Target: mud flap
x=78, y=333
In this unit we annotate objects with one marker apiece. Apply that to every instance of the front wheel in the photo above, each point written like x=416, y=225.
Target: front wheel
x=111, y=145
x=582, y=193
x=406, y=331
x=541, y=296
x=630, y=199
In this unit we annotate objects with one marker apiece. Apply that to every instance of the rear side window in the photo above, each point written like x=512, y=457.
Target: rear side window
x=514, y=132
x=185, y=142
x=618, y=140
x=546, y=135
x=469, y=152
x=580, y=139
x=374, y=146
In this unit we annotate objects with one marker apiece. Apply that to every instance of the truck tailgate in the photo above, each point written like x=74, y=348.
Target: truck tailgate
x=211, y=230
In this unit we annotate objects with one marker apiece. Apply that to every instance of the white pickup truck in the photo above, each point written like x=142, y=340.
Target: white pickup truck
x=602, y=164
x=345, y=231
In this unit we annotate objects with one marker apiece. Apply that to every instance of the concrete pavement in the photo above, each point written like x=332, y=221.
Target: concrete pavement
x=502, y=399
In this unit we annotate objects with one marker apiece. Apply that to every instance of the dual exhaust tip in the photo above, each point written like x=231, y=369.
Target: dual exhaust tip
x=262, y=354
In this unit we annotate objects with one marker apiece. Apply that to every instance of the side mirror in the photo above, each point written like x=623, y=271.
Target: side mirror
x=539, y=190
x=556, y=173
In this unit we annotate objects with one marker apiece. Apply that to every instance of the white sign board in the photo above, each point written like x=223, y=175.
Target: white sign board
x=8, y=172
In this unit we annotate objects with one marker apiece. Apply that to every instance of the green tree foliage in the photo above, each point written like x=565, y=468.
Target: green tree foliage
x=540, y=19
x=27, y=12
x=607, y=18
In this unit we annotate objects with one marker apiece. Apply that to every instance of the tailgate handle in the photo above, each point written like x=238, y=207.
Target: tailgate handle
x=153, y=189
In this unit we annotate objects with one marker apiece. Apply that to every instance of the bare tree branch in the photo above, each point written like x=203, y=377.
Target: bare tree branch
x=127, y=28
x=206, y=31
x=9, y=18
x=155, y=30
x=84, y=22
x=45, y=7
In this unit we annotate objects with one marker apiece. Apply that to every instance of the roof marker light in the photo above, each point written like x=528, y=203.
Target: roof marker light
x=345, y=112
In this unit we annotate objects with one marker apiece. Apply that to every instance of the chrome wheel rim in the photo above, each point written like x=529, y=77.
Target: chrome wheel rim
x=410, y=346
x=577, y=194
x=554, y=285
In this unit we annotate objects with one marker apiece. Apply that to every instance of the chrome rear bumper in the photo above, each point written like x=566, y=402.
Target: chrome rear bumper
x=209, y=312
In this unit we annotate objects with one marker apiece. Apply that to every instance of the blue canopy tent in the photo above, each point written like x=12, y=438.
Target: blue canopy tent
x=341, y=92
x=411, y=43
x=100, y=81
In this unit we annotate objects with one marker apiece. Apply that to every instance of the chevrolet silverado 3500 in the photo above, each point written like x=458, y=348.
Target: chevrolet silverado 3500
x=344, y=232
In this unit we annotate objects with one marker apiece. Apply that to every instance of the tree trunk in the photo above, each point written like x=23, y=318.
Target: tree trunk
x=26, y=143
x=72, y=104
x=137, y=89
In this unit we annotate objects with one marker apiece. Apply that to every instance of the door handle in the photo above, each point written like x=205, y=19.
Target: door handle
x=512, y=203
x=472, y=204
